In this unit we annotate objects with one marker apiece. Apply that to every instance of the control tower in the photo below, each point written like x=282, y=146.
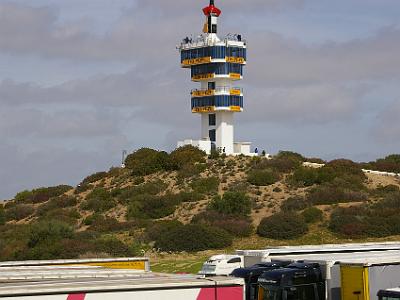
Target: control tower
x=217, y=65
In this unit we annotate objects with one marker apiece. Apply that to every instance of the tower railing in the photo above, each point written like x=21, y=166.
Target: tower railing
x=202, y=41
x=217, y=90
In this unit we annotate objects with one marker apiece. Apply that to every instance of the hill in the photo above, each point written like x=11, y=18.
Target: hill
x=185, y=201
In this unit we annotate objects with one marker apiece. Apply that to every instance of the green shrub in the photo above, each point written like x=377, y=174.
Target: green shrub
x=99, y=200
x=183, y=197
x=189, y=170
x=187, y=155
x=312, y=215
x=262, y=177
x=385, y=190
x=193, y=238
x=160, y=228
x=282, y=226
x=390, y=163
x=19, y=212
x=347, y=222
x=289, y=155
x=2, y=216
x=56, y=203
x=237, y=226
x=100, y=223
x=81, y=188
x=305, y=177
x=150, y=188
x=231, y=203
x=328, y=194
x=66, y=215
x=48, y=232
x=42, y=194
x=208, y=185
x=147, y=161
x=94, y=178
x=114, y=247
x=296, y=203
x=149, y=206
x=159, y=207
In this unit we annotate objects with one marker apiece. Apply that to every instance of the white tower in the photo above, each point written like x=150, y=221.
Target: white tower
x=216, y=64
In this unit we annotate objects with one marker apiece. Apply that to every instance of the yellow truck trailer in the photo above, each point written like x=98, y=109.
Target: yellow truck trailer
x=130, y=263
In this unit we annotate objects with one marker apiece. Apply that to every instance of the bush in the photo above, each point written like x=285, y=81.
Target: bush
x=66, y=215
x=42, y=194
x=100, y=223
x=150, y=206
x=305, y=177
x=99, y=200
x=237, y=226
x=19, y=212
x=150, y=188
x=95, y=177
x=193, y=238
x=208, y=185
x=312, y=215
x=328, y=194
x=294, y=204
x=147, y=161
x=187, y=197
x=231, y=203
x=114, y=247
x=48, y=232
x=347, y=222
x=160, y=228
x=57, y=203
x=2, y=216
x=262, y=177
x=282, y=226
x=390, y=163
x=187, y=155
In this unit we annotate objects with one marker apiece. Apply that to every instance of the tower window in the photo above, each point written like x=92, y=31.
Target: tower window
x=212, y=120
x=213, y=135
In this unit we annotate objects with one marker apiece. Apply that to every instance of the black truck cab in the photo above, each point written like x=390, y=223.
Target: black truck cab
x=392, y=294
x=251, y=275
x=297, y=281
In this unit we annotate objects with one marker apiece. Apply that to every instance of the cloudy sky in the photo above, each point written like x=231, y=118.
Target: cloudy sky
x=81, y=80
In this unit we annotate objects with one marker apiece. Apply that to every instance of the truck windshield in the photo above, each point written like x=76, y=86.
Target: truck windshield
x=303, y=292
x=269, y=292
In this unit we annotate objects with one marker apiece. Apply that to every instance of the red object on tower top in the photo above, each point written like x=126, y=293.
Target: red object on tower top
x=212, y=10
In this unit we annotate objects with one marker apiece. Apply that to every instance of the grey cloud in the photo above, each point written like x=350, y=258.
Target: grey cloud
x=308, y=104
x=387, y=127
x=274, y=60
x=51, y=165
x=21, y=123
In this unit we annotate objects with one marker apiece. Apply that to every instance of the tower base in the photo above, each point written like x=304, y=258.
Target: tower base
x=239, y=148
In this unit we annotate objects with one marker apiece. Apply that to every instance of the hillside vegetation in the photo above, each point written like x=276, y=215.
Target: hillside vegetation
x=186, y=201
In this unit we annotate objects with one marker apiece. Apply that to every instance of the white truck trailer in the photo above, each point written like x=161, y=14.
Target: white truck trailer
x=223, y=265
x=62, y=283
x=346, y=276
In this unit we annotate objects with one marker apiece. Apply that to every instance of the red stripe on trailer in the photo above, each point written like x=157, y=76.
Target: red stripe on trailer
x=223, y=293
x=76, y=297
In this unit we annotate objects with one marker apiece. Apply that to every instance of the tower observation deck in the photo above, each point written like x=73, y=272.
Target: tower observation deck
x=217, y=65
